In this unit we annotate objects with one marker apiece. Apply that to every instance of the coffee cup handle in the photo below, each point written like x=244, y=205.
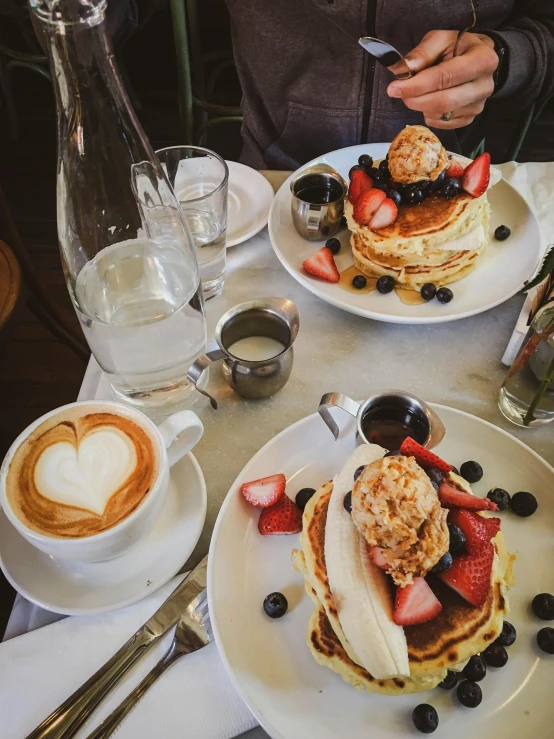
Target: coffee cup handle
x=180, y=432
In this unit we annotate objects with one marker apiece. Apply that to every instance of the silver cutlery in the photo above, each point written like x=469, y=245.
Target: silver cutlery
x=66, y=720
x=192, y=633
x=387, y=55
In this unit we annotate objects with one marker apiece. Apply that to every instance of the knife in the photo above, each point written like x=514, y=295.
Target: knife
x=68, y=718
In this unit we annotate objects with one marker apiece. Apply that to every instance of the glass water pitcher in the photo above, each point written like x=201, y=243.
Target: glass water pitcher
x=128, y=257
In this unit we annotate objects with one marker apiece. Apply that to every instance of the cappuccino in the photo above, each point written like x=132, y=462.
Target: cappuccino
x=81, y=472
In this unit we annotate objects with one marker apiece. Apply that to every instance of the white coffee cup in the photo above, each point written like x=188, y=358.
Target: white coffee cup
x=173, y=438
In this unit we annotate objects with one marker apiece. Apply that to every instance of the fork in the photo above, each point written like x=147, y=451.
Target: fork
x=191, y=633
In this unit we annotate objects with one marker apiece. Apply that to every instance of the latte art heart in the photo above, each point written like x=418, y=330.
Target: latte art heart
x=86, y=476
x=81, y=472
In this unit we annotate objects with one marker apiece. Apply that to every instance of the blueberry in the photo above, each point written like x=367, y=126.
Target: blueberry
x=428, y=291
x=359, y=472
x=434, y=474
x=412, y=197
x=469, y=694
x=384, y=166
x=471, y=471
x=303, y=496
x=451, y=187
x=457, y=538
x=500, y=497
x=395, y=454
x=524, y=504
x=545, y=640
x=450, y=681
x=476, y=669
x=359, y=282
x=333, y=244
x=444, y=563
x=495, y=655
x=543, y=606
x=437, y=184
x=395, y=196
x=434, y=484
x=352, y=170
x=275, y=605
x=425, y=718
x=508, y=635
x=502, y=233
x=376, y=175
x=365, y=161
x=424, y=185
x=444, y=295
x=382, y=186
x=348, y=502
x=385, y=284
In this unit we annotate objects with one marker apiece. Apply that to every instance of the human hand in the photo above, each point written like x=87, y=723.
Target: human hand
x=443, y=83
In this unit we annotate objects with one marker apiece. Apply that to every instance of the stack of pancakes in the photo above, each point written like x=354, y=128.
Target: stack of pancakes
x=427, y=242
x=447, y=642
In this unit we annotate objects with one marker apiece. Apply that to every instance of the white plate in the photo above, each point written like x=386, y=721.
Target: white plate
x=81, y=589
x=250, y=198
x=500, y=272
x=268, y=660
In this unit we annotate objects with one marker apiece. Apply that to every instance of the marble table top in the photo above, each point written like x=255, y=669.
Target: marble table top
x=457, y=364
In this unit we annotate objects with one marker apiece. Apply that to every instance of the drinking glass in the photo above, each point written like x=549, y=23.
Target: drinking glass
x=199, y=178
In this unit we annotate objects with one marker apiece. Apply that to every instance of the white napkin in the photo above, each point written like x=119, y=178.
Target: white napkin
x=39, y=670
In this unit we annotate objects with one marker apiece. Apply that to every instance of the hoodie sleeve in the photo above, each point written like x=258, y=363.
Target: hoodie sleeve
x=527, y=36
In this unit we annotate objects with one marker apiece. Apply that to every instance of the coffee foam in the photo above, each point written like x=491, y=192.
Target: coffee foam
x=81, y=472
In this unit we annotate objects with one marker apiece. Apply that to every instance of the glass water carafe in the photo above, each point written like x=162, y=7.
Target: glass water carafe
x=127, y=255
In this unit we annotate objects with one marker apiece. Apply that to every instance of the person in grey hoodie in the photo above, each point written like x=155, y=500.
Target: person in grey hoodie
x=308, y=87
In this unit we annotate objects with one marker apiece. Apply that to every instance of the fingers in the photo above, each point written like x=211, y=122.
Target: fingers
x=431, y=48
x=434, y=104
x=461, y=117
x=479, y=60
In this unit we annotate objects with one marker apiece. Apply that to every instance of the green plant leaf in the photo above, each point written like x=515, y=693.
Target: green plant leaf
x=546, y=268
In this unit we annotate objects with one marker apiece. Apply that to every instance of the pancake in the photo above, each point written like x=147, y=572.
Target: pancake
x=447, y=642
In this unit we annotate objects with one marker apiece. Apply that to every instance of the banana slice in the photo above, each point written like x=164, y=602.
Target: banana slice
x=360, y=589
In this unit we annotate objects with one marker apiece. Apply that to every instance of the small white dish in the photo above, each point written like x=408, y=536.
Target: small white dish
x=250, y=198
x=269, y=662
x=500, y=273
x=74, y=588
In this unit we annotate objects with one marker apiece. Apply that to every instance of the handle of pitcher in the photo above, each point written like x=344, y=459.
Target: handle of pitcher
x=337, y=400
x=197, y=369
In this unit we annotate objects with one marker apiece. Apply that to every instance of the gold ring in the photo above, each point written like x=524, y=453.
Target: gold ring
x=446, y=116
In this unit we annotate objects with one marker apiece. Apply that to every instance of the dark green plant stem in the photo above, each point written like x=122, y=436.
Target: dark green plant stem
x=530, y=415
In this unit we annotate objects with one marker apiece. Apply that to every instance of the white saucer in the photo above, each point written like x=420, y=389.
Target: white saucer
x=80, y=589
x=250, y=198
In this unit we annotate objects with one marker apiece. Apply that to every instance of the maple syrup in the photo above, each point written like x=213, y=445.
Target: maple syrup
x=388, y=424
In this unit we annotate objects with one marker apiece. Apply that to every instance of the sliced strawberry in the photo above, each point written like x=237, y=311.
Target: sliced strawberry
x=322, y=264
x=367, y=204
x=477, y=175
x=470, y=575
x=283, y=517
x=385, y=215
x=359, y=182
x=415, y=604
x=479, y=530
x=376, y=556
x=451, y=497
x=264, y=492
x=455, y=169
x=423, y=456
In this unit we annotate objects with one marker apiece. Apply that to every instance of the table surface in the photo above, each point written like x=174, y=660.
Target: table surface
x=457, y=364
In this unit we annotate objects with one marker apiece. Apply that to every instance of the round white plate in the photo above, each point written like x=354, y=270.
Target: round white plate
x=250, y=198
x=269, y=661
x=81, y=589
x=499, y=274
